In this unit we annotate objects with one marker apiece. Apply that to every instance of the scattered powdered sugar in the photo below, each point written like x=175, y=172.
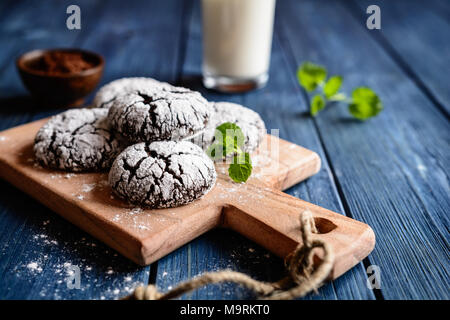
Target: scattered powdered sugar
x=109, y=271
x=137, y=223
x=88, y=187
x=34, y=266
x=135, y=211
x=59, y=257
x=138, y=218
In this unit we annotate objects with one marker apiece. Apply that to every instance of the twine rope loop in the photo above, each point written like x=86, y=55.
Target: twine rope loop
x=303, y=276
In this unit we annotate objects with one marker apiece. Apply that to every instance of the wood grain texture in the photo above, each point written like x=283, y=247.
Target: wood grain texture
x=441, y=7
x=38, y=246
x=104, y=275
x=281, y=106
x=417, y=39
x=392, y=171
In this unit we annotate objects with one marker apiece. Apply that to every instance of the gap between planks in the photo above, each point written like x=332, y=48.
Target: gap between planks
x=285, y=45
x=385, y=44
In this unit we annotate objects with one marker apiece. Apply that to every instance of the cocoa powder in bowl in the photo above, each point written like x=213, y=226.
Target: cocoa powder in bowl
x=61, y=62
x=60, y=77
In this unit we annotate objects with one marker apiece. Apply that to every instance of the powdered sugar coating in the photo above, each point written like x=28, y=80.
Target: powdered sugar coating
x=248, y=120
x=164, y=113
x=162, y=174
x=78, y=140
x=108, y=93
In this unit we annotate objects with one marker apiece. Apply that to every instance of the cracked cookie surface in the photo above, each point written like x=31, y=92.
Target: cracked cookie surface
x=160, y=113
x=248, y=120
x=162, y=174
x=109, y=92
x=78, y=140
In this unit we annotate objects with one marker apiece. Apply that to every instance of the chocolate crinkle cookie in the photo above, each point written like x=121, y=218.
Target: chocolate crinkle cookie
x=162, y=174
x=162, y=113
x=108, y=93
x=249, y=121
x=78, y=140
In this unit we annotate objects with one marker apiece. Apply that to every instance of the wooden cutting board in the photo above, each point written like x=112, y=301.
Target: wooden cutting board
x=256, y=209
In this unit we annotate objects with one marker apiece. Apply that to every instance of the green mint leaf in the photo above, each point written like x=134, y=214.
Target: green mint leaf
x=231, y=137
x=241, y=167
x=317, y=104
x=365, y=103
x=310, y=75
x=221, y=130
x=332, y=86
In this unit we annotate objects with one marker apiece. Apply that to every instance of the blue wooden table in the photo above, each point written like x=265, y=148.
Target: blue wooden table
x=391, y=172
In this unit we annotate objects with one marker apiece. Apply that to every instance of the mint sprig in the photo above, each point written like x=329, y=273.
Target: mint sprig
x=311, y=75
x=229, y=140
x=332, y=86
x=363, y=104
x=317, y=104
x=241, y=167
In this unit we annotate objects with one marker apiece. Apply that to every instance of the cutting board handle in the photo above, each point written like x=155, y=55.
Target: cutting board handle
x=271, y=218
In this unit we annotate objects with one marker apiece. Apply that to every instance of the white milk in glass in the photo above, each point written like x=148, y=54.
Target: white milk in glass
x=237, y=40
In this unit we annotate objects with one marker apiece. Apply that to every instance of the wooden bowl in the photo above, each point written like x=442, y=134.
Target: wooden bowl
x=66, y=89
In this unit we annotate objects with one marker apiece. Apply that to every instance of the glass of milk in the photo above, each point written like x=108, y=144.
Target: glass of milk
x=237, y=40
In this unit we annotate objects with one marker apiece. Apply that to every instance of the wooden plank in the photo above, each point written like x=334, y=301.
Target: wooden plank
x=38, y=246
x=210, y=252
x=15, y=109
x=15, y=23
x=391, y=170
x=40, y=250
x=101, y=33
x=142, y=40
x=418, y=40
x=441, y=7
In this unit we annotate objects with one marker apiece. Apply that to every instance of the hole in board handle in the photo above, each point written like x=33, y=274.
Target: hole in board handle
x=324, y=225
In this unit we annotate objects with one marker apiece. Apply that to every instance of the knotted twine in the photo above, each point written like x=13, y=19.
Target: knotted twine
x=303, y=277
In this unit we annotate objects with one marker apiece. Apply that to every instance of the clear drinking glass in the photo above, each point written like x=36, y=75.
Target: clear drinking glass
x=237, y=40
